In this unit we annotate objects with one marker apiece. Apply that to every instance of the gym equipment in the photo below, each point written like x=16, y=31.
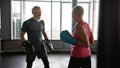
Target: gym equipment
x=65, y=36
x=49, y=45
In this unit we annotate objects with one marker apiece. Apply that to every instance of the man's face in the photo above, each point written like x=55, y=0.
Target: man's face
x=36, y=13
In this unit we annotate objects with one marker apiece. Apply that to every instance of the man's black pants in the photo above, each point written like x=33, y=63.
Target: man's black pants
x=31, y=55
x=45, y=62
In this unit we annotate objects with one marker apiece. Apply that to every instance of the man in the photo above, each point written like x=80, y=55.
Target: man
x=34, y=27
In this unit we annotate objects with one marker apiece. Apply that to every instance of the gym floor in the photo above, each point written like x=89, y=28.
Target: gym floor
x=56, y=60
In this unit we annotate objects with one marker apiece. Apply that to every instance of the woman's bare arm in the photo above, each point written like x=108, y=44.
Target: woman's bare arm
x=81, y=32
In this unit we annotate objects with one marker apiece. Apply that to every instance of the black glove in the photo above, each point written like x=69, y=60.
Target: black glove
x=26, y=43
x=46, y=40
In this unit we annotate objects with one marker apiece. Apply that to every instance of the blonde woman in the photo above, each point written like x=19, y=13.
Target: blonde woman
x=81, y=53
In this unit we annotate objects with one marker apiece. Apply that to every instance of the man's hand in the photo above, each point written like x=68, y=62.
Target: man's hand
x=46, y=39
x=25, y=43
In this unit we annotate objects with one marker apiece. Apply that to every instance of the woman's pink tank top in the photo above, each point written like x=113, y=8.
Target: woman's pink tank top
x=79, y=50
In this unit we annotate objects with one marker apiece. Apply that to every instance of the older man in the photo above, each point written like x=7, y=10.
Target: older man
x=34, y=27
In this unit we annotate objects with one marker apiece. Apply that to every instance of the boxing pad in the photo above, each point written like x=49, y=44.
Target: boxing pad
x=28, y=46
x=26, y=43
x=49, y=45
x=66, y=37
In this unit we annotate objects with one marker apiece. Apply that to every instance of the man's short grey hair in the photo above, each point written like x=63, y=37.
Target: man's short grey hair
x=35, y=7
x=78, y=10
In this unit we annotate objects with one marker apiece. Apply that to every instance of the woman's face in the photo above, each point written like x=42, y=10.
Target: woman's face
x=74, y=16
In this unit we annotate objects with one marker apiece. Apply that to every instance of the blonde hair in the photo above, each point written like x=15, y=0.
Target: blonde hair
x=78, y=10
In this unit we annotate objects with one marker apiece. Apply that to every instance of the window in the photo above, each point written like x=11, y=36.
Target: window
x=55, y=20
x=84, y=0
x=67, y=17
x=16, y=20
x=95, y=19
x=56, y=14
x=66, y=0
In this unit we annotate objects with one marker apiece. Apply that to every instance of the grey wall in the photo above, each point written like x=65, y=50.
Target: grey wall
x=0, y=46
x=15, y=46
x=108, y=53
x=5, y=15
x=59, y=46
x=0, y=26
x=5, y=19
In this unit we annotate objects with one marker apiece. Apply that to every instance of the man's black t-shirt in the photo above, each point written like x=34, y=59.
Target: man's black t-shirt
x=33, y=28
x=34, y=31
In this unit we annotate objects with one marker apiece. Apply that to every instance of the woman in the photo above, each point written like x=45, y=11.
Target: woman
x=81, y=54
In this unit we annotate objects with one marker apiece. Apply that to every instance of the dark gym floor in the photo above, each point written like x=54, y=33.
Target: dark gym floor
x=57, y=60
